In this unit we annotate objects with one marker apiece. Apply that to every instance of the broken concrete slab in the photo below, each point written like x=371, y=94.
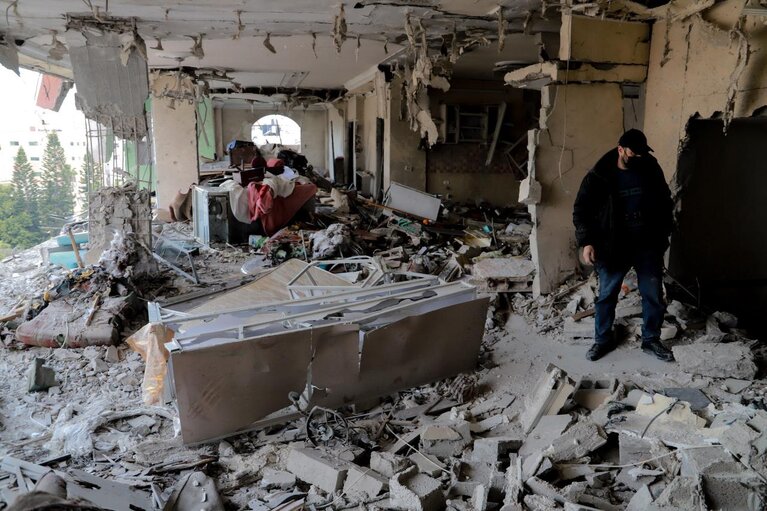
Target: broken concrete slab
x=641, y=501
x=388, y=464
x=540, y=487
x=364, y=483
x=576, y=442
x=446, y=439
x=412, y=491
x=317, y=468
x=549, y=428
x=720, y=360
x=40, y=377
x=548, y=397
x=276, y=479
x=503, y=274
x=427, y=464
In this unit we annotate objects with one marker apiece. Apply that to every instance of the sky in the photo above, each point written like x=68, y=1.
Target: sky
x=18, y=112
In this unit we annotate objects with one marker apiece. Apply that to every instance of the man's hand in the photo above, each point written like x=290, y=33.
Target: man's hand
x=589, y=256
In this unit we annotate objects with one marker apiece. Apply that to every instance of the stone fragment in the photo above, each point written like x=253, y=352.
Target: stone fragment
x=388, y=464
x=412, y=491
x=727, y=360
x=480, y=498
x=317, y=468
x=578, y=441
x=112, y=355
x=551, y=391
x=40, y=377
x=276, y=479
x=489, y=423
x=364, y=483
x=98, y=365
x=641, y=501
x=427, y=464
x=446, y=439
x=540, y=503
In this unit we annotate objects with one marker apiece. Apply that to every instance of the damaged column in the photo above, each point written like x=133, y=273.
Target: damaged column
x=174, y=136
x=596, y=57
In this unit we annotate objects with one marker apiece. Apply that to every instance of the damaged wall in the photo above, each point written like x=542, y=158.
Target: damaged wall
x=703, y=56
x=458, y=170
x=238, y=121
x=403, y=162
x=174, y=132
x=570, y=142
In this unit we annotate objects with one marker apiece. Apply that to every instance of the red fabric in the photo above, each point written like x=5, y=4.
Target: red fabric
x=275, y=212
x=275, y=166
x=258, y=162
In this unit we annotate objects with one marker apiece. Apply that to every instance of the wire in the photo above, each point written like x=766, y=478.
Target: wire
x=666, y=410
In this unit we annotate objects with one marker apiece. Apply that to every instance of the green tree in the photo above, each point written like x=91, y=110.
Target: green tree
x=17, y=228
x=57, y=185
x=24, y=182
x=91, y=178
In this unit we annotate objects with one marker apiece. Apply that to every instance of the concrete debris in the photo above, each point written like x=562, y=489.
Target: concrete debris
x=576, y=442
x=549, y=396
x=40, y=377
x=388, y=464
x=412, y=491
x=332, y=241
x=729, y=360
x=446, y=439
x=364, y=483
x=317, y=468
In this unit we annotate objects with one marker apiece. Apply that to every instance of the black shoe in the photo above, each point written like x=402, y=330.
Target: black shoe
x=659, y=350
x=598, y=351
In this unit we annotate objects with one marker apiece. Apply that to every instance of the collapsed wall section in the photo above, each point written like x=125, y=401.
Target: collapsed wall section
x=710, y=64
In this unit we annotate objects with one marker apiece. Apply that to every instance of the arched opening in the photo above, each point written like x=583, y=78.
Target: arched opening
x=277, y=129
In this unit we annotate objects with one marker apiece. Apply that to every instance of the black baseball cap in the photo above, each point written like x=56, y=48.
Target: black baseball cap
x=636, y=141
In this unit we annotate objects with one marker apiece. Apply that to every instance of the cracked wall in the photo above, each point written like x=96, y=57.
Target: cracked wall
x=695, y=65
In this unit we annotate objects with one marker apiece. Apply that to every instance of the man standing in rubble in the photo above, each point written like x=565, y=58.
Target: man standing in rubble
x=623, y=219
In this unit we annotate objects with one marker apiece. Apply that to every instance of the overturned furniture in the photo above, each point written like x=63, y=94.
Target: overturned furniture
x=232, y=368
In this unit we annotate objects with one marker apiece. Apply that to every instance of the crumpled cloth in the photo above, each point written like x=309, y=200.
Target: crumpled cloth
x=275, y=211
x=238, y=200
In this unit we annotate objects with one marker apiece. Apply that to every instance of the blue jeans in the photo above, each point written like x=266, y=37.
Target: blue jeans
x=649, y=269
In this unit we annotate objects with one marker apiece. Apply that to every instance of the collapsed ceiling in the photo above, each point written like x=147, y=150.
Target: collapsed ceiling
x=312, y=44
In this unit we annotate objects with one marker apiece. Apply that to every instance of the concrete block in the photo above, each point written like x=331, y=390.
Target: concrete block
x=446, y=439
x=632, y=448
x=317, y=468
x=682, y=493
x=364, y=483
x=578, y=441
x=590, y=394
x=695, y=462
x=388, y=464
x=582, y=329
x=549, y=428
x=112, y=355
x=412, y=491
x=540, y=487
x=722, y=360
x=490, y=450
x=733, y=490
x=40, y=377
x=427, y=464
x=480, y=498
x=540, y=503
x=277, y=479
x=551, y=391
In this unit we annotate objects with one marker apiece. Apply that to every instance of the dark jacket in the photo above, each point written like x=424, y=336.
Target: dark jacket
x=594, y=210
